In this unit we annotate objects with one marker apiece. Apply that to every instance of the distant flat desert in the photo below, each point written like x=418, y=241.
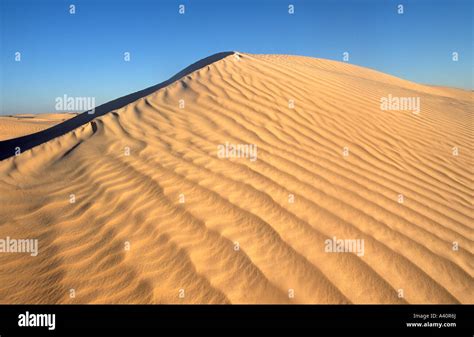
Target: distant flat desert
x=13, y=126
x=229, y=184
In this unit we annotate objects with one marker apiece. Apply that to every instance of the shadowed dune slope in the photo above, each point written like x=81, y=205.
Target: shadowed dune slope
x=136, y=206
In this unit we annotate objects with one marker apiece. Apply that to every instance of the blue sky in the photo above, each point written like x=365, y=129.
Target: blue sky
x=82, y=54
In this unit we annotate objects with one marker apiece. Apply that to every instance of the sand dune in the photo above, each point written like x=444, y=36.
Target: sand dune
x=159, y=217
x=13, y=126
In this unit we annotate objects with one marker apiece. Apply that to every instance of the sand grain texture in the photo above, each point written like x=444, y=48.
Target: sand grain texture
x=136, y=198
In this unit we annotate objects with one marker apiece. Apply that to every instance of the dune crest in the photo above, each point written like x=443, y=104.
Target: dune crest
x=136, y=205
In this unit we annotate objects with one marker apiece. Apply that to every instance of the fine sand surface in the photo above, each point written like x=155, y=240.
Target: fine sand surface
x=135, y=206
x=13, y=126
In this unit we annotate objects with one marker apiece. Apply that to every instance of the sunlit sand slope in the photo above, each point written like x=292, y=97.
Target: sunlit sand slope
x=137, y=206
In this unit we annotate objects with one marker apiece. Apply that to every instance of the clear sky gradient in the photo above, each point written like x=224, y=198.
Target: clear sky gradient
x=82, y=54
